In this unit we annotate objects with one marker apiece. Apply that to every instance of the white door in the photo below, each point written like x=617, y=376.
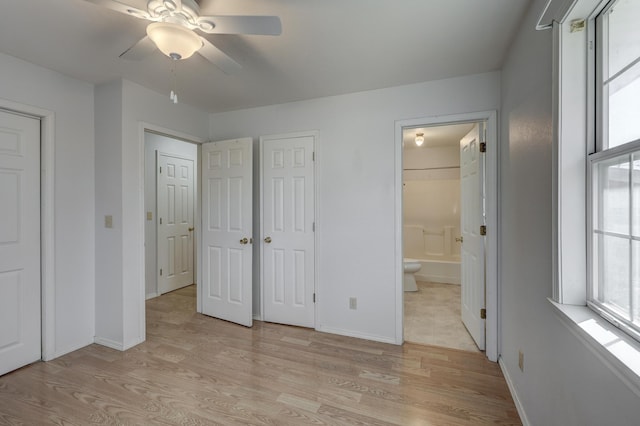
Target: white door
x=227, y=173
x=472, y=218
x=19, y=241
x=175, y=222
x=288, y=260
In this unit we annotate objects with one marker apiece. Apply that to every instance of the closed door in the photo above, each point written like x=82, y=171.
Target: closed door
x=227, y=173
x=288, y=252
x=175, y=222
x=20, y=325
x=472, y=249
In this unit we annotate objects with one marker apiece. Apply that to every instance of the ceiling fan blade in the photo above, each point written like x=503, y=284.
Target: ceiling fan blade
x=122, y=8
x=140, y=50
x=258, y=25
x=218, y=58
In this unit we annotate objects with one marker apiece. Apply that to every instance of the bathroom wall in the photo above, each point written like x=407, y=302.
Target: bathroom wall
x=432, y=197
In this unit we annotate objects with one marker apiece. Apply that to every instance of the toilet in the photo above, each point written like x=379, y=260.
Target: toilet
x=411, y=266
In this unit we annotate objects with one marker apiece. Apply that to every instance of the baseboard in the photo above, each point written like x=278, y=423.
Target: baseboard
x=109, y=343
x=59, y=353
x=350, y=333
x=523, y=416
x=437, y=279
x=151, y=295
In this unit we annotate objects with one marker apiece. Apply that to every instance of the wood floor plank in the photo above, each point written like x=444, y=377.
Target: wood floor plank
x=196, y=370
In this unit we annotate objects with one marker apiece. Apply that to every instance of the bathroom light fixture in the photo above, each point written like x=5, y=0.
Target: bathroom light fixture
x=419, y=139
x=174, y=40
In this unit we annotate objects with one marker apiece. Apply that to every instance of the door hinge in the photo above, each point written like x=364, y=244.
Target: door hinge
x=313, y=227
x=314, y=298
x=483, y=313
x=160, y=221
x=160, y=170
x=313, y=156
x=483, y=230
x=483, y=147
x=160, y=271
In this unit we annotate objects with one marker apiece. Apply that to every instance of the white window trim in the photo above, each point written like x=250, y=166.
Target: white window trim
x=573, y=139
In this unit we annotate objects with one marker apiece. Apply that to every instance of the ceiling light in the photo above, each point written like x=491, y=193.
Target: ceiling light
x=419, y=139
x=174, y=40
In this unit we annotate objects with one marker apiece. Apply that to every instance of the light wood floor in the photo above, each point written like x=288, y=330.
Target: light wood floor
x=195, y=370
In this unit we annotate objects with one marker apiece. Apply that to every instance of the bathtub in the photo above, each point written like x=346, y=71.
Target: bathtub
x=439, y=269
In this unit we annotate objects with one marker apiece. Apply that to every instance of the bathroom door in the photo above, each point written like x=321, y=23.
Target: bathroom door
x=227, y=229
x=472, y=218
x=288, y=227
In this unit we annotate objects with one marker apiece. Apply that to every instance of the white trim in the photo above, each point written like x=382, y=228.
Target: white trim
x=151, y=295
x=493, y=224
x=47, y=222
x=618, y=351
x=315, y=134
x=516, y=400
x=109, y=343
x=358, y=335
x=152, y=128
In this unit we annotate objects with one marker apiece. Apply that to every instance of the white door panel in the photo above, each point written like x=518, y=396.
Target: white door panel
x=175, y=222
x=472, y=249
x=227, y=173
x=20, y=324
x=288, y=264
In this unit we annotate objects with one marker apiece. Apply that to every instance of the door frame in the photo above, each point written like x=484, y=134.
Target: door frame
x=143, y=127
x=47, y=221
x=316, y=234
x=492, y=284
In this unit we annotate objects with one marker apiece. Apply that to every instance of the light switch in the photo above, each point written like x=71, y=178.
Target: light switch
x=108, y=221
x=149, y=215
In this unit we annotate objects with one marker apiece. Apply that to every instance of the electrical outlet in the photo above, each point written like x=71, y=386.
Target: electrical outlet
x=353, y=303
x=521, y=360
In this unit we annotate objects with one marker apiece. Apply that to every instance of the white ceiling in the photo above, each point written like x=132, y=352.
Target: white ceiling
x=328, y=47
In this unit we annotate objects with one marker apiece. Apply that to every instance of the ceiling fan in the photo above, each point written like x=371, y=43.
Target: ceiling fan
x=174, y=25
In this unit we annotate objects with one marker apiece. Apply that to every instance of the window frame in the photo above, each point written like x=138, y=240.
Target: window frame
x=573, y=114
x=600, y=152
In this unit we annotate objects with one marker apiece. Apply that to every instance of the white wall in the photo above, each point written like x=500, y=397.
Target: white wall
x=140, y=108
x=164, y=144
x=563, y=383
x=356, y=194
x=72, y=103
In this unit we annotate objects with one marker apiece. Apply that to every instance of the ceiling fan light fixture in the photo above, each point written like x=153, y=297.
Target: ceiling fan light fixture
x=419, y=139
x=174, y=40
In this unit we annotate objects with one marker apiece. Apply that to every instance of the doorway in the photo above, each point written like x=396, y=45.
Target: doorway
x=432, y=234
x=170, y=211
x=442, y=238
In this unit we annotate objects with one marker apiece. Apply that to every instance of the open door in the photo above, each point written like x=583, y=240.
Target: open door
x=472, y=218
x=227, y=173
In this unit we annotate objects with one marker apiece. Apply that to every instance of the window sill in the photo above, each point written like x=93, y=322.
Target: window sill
x=619, y=352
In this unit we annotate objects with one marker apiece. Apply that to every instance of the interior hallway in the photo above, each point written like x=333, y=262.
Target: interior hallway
x=197, y=370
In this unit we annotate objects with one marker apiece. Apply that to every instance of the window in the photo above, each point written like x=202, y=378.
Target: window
x=614, y=182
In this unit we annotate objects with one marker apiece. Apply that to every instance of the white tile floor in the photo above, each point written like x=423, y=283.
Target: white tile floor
x=432, y=317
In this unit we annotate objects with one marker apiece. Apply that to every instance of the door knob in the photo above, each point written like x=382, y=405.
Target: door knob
x=244, y=241
x=267, y=240
x=459, y=240
x=191, y=229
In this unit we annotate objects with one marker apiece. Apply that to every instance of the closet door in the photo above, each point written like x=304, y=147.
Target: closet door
x=20, y=324
x=288, y=239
